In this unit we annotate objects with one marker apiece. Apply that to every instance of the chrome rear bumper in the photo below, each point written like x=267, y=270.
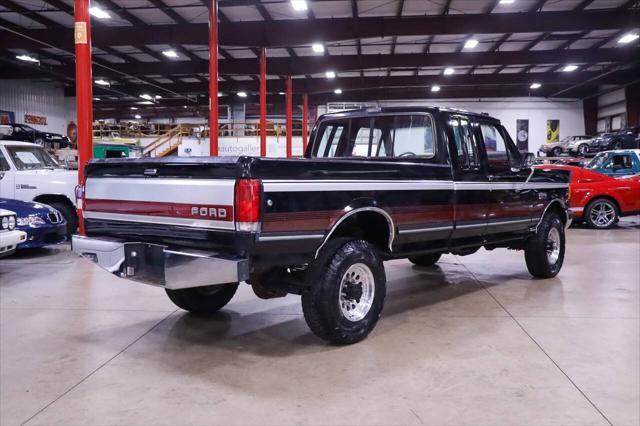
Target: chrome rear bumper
x=159, y=265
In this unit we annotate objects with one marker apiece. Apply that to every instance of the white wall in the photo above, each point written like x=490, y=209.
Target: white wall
x=536, y=110
x=612, y=109
x=38, y=98
x=244, y=145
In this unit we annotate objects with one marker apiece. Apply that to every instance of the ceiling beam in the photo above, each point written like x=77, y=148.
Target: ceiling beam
x=279, y=33
x=303, y=65
x=348, y=84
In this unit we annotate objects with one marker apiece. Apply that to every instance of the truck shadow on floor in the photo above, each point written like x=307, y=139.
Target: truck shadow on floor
x=446, y=291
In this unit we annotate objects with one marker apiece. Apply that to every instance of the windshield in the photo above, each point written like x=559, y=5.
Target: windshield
x=31, y=158
x=567, y=139
x=25, y=127
x=597, y=161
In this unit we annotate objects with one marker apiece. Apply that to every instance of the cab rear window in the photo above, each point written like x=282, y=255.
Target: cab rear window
x=409, y=135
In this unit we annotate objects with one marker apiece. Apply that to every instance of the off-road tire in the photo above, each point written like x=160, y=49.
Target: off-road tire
x=425, y=259
x=203, y=300
x=535, y=254
x=321, y=302
x=69, y=215
x=594, y=204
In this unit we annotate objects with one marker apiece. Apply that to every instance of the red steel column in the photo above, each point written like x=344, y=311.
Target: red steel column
x=305, y=119
x=84, y=91
x=263, y=102
x=289, y=108
x=213, y=77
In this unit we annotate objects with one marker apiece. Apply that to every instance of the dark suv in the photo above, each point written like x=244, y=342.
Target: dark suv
x=24, y=133
x=627, y=138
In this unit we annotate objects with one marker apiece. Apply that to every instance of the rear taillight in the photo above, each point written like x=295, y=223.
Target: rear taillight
x=247, y=205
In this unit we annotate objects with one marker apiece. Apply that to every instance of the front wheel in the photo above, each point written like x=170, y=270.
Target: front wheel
x=583, y=150
x=601, y=214
x=69, y=214
x=203, y=300
x=544, y=251
x=347, y=296
x=557, y=151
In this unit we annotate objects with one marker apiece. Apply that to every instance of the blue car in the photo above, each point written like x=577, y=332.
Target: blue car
x=623, y=162
x=44, y=225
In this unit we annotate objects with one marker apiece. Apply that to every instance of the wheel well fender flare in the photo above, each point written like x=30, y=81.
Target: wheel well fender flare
x=606, y=197
x=354, y=211
x=552, y=205
x=52, y=198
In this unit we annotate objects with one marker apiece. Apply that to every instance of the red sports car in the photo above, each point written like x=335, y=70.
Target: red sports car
x=599, y=200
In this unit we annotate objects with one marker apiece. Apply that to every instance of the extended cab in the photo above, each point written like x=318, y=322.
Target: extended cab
x=373, y=185
x=29, y=173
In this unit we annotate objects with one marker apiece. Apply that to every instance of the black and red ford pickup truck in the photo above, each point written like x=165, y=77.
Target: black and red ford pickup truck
x=373, y=185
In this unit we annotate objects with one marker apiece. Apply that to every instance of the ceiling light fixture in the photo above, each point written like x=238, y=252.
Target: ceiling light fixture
x=145, y=103
x=338, y=91
x=96, y=99
x=507, y=1
x=137, y=116
x=570, y=68
x=133, y=108
x=299, y=5
x=102, y=82
x=535, y=86
x=170, y=53
x=435, y=88
x=147, y=97
x=471, y=43
x=158, y=97
x=27, y=58
x=242, y=94
x=330, y=74
x=99, y=13
x=628, y=38
x=449, y=71
x=281, y=93
x=220, y=94
x=317, y=47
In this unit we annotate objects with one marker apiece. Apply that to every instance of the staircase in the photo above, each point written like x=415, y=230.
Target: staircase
x=167, y=143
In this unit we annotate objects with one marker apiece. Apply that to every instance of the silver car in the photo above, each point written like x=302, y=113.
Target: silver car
x=555, y=149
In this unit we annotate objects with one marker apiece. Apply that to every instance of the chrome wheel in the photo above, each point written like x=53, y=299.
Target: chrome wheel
x=553, y=246
x=602, y=214
x=583, y=149
x=357, y=290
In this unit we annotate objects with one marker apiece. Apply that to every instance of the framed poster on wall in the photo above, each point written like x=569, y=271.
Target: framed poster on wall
x=7, y=117
x=553, y=131
x=522, y=134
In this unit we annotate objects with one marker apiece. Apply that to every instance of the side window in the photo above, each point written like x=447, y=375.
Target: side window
x=493, y=140
x=621, y=162
x=413, y=135
x=498, y=155
x=466, y=143
x=360, y=144
x=4, y=164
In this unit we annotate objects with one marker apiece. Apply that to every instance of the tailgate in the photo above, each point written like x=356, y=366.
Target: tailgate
x=186, y=193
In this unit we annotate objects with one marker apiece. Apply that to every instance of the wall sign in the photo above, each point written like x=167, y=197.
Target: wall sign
x=35, y=119
x=522, y=129
x=7, y=117
x=553, y=131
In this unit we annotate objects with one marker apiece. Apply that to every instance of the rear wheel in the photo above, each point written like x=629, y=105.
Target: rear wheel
x=583, y=149
x=346, y=298
x=544, y=251
x=617, y=145
x=425, y=259
x=601, y=213
x=203, y=300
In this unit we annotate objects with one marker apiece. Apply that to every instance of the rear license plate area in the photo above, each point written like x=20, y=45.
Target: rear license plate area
x=144, y=262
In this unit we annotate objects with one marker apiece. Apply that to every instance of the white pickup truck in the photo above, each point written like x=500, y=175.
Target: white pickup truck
x=29, y=173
